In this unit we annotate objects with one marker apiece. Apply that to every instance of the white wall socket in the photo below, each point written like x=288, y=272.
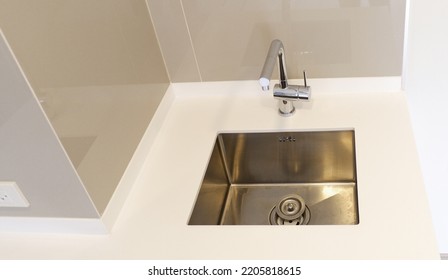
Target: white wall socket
x=11, y=196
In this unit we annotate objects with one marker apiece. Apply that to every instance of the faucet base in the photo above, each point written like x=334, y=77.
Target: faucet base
x=286, y=108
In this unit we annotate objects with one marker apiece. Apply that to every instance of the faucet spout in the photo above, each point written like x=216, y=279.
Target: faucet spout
x=276, y=53
x=283, y=91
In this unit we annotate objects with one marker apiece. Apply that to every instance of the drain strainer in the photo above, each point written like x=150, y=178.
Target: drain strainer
x=290, y=210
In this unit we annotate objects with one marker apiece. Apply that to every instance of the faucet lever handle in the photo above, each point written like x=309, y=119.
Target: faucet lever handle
x=304, y=92
x=304, y=78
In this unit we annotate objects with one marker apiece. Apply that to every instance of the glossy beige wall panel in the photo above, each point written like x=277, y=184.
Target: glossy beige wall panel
x=82, y=42
x=98, y=72
x=174, y=39
x=328, y=38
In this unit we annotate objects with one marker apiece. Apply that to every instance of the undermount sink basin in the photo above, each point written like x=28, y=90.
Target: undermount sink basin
x=280, y=178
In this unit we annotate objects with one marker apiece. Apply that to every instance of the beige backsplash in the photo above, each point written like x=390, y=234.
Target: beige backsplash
x=210, y=40
x=83, y=43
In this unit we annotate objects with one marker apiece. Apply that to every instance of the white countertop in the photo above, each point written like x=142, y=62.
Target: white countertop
x=395, y=222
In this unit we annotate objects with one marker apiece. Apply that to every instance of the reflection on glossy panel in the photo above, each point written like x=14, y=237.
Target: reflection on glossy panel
x=31, y=155
x=100, y=128
x=98, y=73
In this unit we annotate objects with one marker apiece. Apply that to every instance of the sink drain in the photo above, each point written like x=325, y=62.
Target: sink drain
x=290, y=210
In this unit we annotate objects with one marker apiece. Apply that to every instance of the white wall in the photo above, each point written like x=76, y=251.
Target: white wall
x=426, y=84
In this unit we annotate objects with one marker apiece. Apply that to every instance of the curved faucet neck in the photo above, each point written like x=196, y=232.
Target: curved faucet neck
x=276, y=53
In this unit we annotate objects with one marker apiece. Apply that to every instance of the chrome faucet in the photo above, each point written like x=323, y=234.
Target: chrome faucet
x=286, y=94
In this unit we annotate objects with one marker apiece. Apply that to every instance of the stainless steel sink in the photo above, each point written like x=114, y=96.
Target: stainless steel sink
x=280, y=178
